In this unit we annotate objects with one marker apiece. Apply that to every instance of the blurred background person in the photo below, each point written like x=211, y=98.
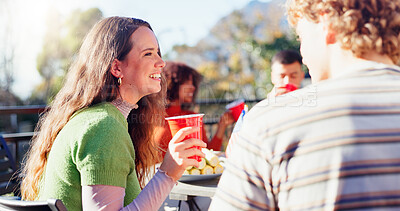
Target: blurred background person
x=286, y=76
x=183, y=85
x=286, y=72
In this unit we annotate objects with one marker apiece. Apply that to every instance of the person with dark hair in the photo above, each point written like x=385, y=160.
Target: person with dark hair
x=286, y=72
x=339, y=148
x=287, y=57
x=93, y=147
x=286, y=76
x=183, y=85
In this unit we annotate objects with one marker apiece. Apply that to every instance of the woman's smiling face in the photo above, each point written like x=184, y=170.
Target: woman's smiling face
x=142, y=66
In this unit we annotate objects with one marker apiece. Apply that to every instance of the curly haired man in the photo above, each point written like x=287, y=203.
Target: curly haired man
x=341, y=151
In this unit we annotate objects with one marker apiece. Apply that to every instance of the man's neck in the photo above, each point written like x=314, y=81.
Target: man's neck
x=341, y=60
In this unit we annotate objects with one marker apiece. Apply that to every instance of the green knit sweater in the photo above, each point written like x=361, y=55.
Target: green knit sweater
x=93, y=148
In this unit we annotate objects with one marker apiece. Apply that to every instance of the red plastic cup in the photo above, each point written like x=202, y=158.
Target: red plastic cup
x=290, y=87
x=236, y=107
x=193, y=120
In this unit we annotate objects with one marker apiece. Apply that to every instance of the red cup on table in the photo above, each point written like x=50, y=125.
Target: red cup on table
x=192, y=120
x=236, y=107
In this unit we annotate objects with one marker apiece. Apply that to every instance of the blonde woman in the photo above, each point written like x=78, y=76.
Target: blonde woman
x=83, y=153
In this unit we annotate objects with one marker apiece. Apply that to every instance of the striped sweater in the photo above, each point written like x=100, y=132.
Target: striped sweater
x=330, y=146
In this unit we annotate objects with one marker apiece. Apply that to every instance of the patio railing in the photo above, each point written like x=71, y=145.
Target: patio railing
x=19, y=142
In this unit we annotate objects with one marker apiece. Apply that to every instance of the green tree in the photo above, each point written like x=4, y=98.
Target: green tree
x=62, y=41
x=238, y=51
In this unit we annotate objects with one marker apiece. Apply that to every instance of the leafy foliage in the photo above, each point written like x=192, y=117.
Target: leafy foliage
x=235, y=57
x=62, y=41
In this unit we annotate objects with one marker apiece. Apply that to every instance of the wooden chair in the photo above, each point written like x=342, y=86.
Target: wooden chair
x=13, y=203
x=8, y=179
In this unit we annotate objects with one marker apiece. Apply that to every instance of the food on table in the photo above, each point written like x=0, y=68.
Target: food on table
x=207, y=170
x=211, y=158
x=202, y=163
x=208, y=165
x=218, y=169
x=194, y=171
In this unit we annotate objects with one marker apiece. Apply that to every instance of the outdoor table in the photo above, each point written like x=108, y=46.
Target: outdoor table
x=186, y=191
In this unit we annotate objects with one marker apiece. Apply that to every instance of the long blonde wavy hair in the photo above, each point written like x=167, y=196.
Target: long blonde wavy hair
x=89, y=82
x=360, y=26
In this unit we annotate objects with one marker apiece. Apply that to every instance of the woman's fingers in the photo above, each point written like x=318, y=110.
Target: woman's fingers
x=182, y=133
x=188, y=155
x=188, y=143
x=178, y=156
x=188, y=150
x=181, y=152
x=185, y=150
x=191, y=162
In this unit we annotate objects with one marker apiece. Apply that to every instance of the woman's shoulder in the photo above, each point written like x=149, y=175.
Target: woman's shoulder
x=99, y=112
x=99, y=122
x=103, y=117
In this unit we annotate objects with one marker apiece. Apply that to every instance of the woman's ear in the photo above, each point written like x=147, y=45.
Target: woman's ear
x=115, y=69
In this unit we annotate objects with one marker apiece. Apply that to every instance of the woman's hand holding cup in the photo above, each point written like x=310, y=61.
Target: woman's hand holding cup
x=181, y=151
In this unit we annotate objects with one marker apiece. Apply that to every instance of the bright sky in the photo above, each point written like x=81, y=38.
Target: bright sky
x=174, y=22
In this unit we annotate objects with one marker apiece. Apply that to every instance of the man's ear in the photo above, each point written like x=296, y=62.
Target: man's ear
x=302, y=73
x=330, y=35
x=115, y=68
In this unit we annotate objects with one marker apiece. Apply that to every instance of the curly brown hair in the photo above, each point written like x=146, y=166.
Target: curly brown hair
x=178, y=73
x=361, y=26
